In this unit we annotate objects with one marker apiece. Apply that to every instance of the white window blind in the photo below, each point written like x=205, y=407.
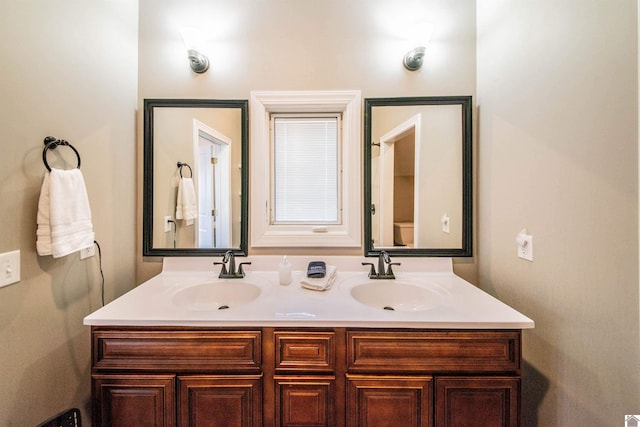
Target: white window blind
x=305, y=179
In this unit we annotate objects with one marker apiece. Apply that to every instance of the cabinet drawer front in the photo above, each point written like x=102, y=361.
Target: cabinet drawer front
x=220, y=400
x=305, y=401
x=389, y=400
x=454, y=351
x=141, y=400
x=462, y=401
x=305, y=351
x=181, y=351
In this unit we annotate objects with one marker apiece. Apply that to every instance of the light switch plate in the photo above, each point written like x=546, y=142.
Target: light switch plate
x=9, y=268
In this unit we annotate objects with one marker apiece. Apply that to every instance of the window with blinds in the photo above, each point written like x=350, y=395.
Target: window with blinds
x=305, y=181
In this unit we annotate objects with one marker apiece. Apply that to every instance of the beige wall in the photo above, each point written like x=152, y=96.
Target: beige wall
x=303, y=45
x=558, y=155
x=557, y=98
x=69, y=69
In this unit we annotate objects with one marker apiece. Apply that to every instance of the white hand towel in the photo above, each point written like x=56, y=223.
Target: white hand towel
x=321, y=283
x=43, y=233
x=64, y=215
x=186, y=202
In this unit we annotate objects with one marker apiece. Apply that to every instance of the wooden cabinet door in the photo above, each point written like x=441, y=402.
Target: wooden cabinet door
x=378, y=401
x=305, y=401
x=220, y=401
x=473, y=401
x=134, y=400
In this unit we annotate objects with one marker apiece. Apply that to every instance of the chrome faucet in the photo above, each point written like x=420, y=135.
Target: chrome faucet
x=383, y=259
x=228, y=270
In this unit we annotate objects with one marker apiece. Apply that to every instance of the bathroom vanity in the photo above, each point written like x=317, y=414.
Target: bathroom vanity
x=181, y=349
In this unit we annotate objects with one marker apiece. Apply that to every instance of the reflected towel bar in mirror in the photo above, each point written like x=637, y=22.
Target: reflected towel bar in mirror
x=181, y=165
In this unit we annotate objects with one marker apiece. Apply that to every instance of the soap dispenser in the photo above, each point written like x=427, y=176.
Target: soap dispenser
x=284, y=271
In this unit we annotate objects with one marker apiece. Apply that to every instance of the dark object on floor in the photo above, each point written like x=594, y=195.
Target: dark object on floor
x=70, y=418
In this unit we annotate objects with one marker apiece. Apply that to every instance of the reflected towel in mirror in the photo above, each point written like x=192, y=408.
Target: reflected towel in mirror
x=64, y=215
x=186, y=203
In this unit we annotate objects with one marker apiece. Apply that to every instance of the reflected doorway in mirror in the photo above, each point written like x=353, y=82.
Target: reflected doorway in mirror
x=213, y=151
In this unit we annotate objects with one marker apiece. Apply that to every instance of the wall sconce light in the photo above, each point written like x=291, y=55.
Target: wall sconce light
x=419, y=35
x=192, y=42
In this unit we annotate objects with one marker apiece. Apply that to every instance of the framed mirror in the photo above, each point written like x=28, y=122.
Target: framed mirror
x=418, y=176
x=195, y=183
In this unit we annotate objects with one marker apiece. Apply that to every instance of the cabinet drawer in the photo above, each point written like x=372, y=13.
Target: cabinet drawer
x=305, y=401
x=401, y=401
x=177, y=351
x=305, y=351
x=134, y=399
x=494, y=400
x=220, y=400
x=433, y=351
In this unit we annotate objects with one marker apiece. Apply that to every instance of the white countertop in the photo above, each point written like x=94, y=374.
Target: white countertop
x=457, y=304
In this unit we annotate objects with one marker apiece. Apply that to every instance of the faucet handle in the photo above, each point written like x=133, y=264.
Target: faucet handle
x=241, y=269
x=372, y=270
x=390, y=271
x=224, y=267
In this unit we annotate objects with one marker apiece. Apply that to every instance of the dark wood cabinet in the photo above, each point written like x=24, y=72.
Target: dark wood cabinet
x=134, y=400
x=305, y=401
x=292, y=377
x=472, y=401
x=304, y=377
x=473, y=377
x=379, y=401
x=164, y=377
x=220, y=401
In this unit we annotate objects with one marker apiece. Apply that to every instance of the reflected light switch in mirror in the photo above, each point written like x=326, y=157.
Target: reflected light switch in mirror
x=445, y=223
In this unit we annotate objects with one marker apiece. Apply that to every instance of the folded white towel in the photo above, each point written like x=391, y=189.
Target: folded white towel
x=321, y=283
x=186, y=202
x=64, y=215
x=43, y=233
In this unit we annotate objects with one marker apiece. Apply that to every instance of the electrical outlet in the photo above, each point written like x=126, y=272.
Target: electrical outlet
x=88, y=252
x=167, y=224
x=525, y=245
x=9, y=268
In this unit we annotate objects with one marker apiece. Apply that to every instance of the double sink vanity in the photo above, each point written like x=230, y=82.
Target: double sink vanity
x=187, y=348
x=425, y=348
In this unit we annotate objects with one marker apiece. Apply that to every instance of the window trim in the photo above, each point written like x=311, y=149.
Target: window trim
x=263, y=233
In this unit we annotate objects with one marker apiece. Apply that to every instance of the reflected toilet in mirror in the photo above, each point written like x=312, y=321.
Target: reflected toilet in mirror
x=403, y=233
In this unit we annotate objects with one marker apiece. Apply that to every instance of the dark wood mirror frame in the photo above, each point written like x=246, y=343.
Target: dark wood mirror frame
x=465, y=250
x=148, y=164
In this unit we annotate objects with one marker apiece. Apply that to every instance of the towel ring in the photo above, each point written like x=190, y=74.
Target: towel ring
x=180, y=165
x=51, y=142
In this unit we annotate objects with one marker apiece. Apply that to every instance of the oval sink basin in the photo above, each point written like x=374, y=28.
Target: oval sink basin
x=394, y=296
x=216, y=295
